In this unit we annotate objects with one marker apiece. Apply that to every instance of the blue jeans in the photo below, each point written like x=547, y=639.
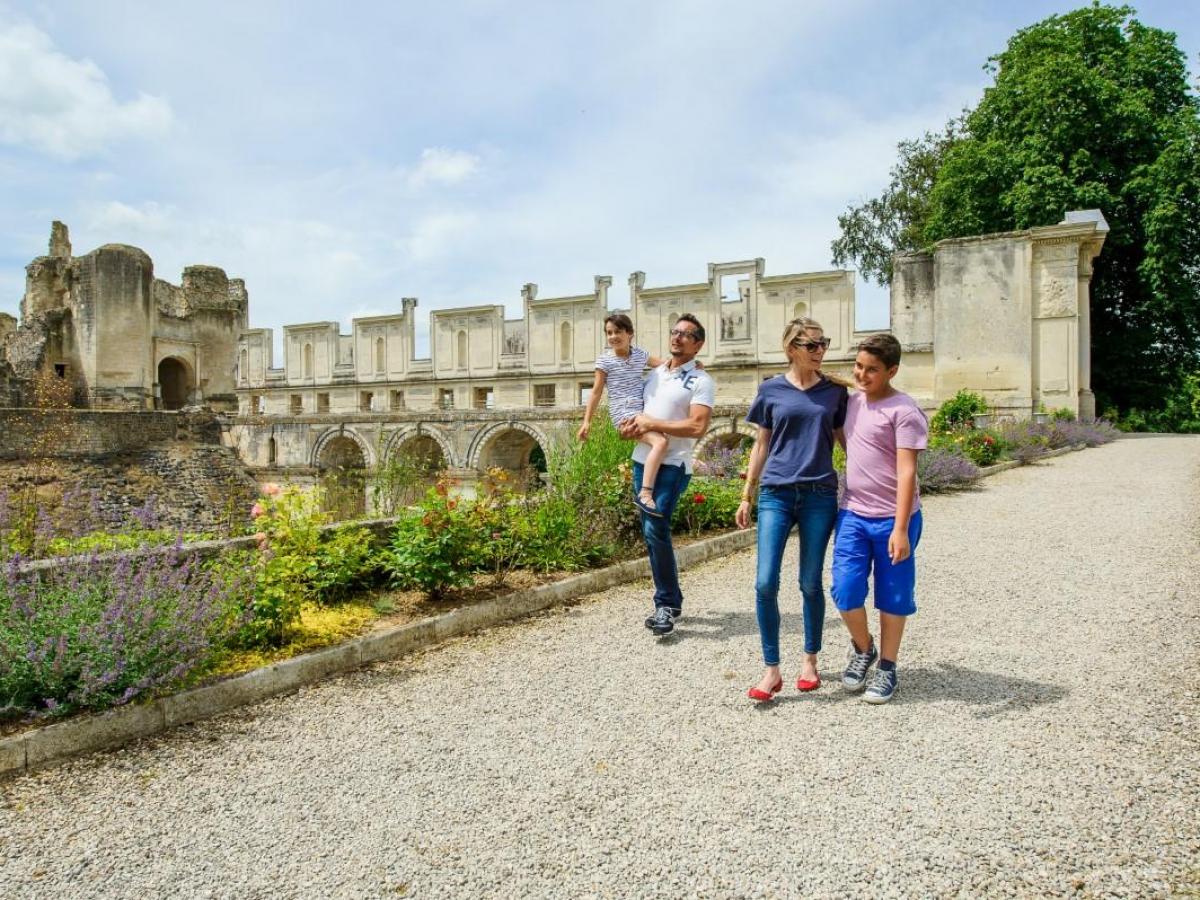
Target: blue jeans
x=670, y=483
x=813, y=508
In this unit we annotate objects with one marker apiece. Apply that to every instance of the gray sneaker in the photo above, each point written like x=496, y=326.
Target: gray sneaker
x=883, y=687
x=854, y=678
x=676, y=614
x=664, y=622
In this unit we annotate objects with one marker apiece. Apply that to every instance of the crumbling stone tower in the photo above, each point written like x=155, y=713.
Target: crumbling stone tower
x=123, y=338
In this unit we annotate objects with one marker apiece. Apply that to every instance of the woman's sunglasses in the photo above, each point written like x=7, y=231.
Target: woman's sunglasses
x=812, y=346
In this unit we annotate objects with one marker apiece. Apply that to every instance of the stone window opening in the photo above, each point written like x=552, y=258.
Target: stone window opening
x=60, y=370
x=272, y=452
x=365, y=400
x=397, y=401
x=585, y=392
x=446, y=398
x=296, y=404
x=800, y=310
x=543, y=395
x=485, y=398
x=322, y=403
x=257, y=405
x=380, y=356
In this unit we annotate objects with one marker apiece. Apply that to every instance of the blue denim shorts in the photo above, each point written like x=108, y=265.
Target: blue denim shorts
x=860, y=546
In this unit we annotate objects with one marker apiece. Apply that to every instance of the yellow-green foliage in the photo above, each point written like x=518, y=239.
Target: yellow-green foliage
x=315, y=627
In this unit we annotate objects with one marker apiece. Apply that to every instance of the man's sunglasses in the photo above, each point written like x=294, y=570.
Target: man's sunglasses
x=812, y=346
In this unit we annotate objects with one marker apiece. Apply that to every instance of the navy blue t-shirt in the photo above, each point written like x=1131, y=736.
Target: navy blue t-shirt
x=801, y=424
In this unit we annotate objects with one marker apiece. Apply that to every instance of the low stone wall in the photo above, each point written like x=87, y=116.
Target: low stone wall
x=74, y=433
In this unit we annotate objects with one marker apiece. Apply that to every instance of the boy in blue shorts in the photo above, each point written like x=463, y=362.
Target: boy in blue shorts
x=879, y=523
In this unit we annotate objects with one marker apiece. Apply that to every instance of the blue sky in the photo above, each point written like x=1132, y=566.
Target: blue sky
x=342, y=156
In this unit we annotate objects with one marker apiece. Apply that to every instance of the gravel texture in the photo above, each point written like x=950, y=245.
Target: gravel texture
x=1044, y=741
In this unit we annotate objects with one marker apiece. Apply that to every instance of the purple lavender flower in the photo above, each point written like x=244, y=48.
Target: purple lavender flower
x=942, y=470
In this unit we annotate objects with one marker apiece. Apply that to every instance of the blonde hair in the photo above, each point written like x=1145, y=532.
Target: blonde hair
x=798, y=327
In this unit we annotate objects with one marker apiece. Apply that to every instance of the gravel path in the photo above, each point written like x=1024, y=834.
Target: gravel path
x=1044, y=741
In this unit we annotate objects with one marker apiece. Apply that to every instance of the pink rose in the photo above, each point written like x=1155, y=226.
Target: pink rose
x=271, y=489
x=256, y=510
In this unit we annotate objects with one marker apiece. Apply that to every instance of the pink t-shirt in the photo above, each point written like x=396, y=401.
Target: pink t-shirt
x=874, y=431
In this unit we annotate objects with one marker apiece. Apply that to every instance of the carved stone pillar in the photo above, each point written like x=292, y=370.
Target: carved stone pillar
x=1087, y=400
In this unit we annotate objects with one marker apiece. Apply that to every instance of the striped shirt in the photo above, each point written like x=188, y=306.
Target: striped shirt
x=623, y=377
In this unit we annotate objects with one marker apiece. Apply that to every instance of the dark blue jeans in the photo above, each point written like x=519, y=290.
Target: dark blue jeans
x=813, y=508
x=670, y=483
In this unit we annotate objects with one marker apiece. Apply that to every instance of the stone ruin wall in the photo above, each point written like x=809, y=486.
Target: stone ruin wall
x=123, y=459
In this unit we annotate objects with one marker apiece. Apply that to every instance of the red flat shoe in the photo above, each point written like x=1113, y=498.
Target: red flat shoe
x=804, y=684
x=762, y=696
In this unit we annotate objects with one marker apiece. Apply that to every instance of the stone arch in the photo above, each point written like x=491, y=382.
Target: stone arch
x=520, y=443
x=341, y=458
x=800, y=310
x=176, y=382
x=341, y=431
x=409, y=433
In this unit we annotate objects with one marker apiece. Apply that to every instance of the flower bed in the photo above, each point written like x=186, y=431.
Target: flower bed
x=102, y=631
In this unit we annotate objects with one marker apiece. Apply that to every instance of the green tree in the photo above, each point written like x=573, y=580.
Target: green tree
x=1090, y=109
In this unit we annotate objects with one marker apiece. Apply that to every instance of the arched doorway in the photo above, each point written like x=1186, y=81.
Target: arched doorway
x=343, y=479
x=515, y=450
x=175, y=383
x=411, y=468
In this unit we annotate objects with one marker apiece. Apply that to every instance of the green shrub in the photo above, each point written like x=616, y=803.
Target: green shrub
x=983, y=446
x=496, y=514
x=708, y=504
x=1181, y=407
x=594, y=479
x=546, y=537
x=958, y=412
x=400, y=481
x=434, y=547
x=289, y=523
x=346, y=561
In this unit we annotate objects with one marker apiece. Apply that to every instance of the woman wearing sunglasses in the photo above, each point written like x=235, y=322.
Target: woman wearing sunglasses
x=797, y=414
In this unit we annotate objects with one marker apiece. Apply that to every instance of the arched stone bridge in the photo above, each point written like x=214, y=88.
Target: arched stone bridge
x=467, y=442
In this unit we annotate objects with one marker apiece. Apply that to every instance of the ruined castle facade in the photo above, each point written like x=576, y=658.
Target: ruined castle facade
x=119, y=337
x=1006, y=315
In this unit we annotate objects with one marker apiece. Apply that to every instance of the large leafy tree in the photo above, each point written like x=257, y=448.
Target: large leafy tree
x=1090, y=109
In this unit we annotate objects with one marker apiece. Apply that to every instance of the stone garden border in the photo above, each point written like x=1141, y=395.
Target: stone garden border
x=99, y=731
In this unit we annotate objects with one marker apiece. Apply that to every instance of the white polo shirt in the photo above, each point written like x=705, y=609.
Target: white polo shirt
x=669, y=394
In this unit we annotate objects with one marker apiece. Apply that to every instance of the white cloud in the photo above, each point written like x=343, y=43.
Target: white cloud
x=441, y=166
x=64, y=106
x=435, y=234
x=123, y=221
